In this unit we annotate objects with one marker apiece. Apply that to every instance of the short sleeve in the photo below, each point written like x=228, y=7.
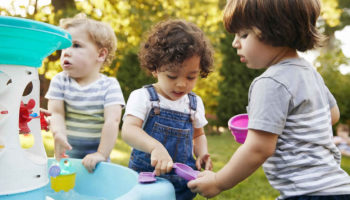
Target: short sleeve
x=56, y=88
x=114, y=94
x=138, y=104
x=268, y=105
x=331, y=100
x=200, y=120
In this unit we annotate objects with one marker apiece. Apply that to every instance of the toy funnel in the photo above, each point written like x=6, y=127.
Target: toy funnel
x=239, y=127
x=23, y=46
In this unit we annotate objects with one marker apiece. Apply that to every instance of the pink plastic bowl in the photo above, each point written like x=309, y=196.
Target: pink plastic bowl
x=239, y=127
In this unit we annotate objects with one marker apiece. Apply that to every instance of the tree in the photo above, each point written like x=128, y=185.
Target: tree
x=335, y=16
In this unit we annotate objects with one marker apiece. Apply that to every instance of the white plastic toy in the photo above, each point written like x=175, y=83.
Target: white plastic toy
x=23, y=45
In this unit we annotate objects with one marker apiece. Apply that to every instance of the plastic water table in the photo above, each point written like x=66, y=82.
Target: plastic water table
x=109, y=181
x=24, y=172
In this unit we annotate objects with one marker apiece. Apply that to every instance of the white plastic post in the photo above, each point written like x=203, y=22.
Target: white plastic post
x=21, y=169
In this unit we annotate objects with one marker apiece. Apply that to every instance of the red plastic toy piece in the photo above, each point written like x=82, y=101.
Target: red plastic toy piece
x=24, y=115
x=43, y=122
x=4, y=112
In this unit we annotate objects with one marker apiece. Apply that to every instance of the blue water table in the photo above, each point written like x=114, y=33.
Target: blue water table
x=24, y=171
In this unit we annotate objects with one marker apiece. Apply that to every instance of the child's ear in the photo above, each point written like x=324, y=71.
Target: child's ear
x=102, y=54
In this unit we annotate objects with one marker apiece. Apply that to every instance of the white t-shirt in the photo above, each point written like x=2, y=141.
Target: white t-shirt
x=139, y=105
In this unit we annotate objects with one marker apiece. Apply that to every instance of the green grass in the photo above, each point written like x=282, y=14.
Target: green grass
x=221, y=148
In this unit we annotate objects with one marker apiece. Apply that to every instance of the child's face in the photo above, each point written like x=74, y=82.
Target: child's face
x=178, y=82
x=82, y=59
x=253, y=52
x=343, y=134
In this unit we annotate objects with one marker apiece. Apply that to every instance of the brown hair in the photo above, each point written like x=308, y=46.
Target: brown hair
x=100, y=33
x=290, y=23
x=171, y=42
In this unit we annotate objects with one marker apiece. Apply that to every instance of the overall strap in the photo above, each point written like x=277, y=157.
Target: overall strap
x=193, y=101
x=153, y=98
x=152, y=92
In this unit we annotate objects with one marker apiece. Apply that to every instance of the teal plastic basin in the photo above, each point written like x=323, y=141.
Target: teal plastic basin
x=27, y=42
x=108, y=182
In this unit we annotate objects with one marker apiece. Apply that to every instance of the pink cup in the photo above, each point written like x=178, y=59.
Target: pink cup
x=239, y=127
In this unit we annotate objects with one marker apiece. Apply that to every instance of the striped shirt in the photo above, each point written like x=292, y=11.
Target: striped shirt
x=84, y=106
x=290, y=99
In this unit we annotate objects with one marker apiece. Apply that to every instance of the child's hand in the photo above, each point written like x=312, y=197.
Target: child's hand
x=161, y=160
x=204, y=162
x=90, y=161
x=61, y=146
x=205, y=184
x=45, y=112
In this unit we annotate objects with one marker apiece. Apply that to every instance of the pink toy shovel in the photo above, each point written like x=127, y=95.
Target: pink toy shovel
x=182, y=170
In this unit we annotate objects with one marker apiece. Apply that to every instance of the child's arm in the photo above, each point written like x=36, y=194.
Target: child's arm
x=58, y=127
x=108, y=137
x=335, y=114
x=135, y=136
x=258, y=146
x=200, y=148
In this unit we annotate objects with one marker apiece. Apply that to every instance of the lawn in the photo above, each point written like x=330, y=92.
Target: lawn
x=221, y=147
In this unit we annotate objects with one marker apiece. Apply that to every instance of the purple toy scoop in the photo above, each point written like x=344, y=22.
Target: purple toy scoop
x=147, y=177
x=182, y=170
x=185, y=171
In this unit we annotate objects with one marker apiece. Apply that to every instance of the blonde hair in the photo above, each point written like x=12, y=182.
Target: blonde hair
x=99, y=32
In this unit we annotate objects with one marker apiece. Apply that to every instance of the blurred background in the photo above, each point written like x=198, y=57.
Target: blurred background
x=224, y=92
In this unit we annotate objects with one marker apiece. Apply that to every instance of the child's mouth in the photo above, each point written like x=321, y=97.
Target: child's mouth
x=178, y=93
x=66, y=63
x=242, y=59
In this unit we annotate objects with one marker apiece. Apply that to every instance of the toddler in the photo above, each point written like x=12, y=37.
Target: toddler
x=164, y=121
x=291, y=111
x=85, y=104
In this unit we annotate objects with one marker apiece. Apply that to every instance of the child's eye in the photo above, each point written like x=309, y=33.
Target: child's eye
x=191, y=78
x=172, y=77
x=75, y=45
x=245, y=35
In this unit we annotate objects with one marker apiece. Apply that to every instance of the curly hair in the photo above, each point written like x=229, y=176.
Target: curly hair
x=171, y=42
x=290, y=23
x=100, y=33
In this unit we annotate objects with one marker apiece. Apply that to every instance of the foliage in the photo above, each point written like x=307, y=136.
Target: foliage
x=131, y=20
x=130, y=76
x=336, y=14
x=224, y=91
x=328, y=63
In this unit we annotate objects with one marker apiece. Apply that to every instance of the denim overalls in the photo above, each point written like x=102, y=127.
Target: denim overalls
x=175, y=131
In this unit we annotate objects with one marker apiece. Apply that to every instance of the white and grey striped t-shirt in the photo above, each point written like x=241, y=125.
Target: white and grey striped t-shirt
x=290, y=99
x=84, y=106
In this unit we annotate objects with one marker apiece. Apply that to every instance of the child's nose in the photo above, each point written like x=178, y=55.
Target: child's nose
x=66, y=52
x=181, y=83
x=235, y=43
